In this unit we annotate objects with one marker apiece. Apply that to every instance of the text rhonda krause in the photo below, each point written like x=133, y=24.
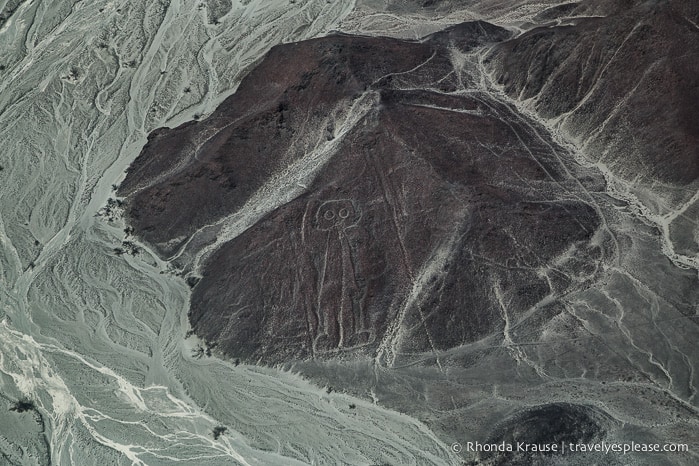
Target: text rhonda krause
x=564, y=447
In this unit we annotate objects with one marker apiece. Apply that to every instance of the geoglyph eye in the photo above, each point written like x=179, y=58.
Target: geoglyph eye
x=340, y=213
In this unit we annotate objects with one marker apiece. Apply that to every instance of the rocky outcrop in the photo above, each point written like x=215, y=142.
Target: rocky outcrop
x=546, y=431
x=619, y=78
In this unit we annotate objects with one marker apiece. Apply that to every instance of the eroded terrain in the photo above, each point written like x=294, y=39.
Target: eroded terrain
x=366, y=250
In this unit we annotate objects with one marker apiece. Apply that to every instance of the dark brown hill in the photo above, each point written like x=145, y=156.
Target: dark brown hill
x=431, y=221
